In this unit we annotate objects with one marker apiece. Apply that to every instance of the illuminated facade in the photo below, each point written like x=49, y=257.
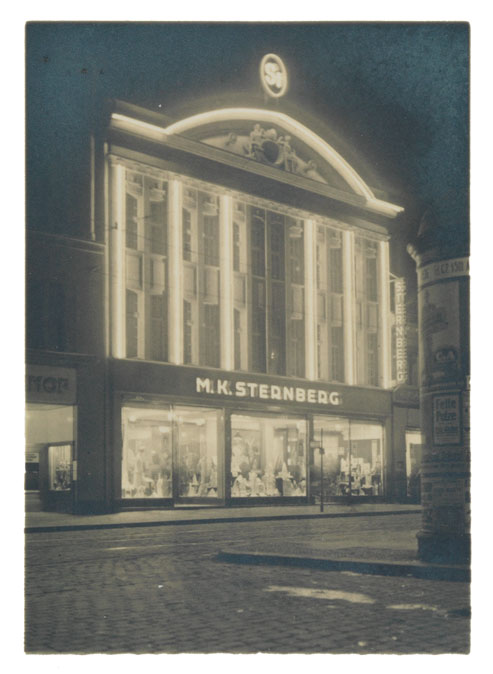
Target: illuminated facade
x=232, y=312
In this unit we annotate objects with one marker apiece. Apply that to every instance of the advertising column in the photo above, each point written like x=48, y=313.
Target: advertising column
x=443, y=304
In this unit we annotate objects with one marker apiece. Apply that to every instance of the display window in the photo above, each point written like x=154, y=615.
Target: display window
x=153, y=435
x=60, y=467
x=352, y=461
x=414, y=451
x=50, y=435
x=199, y=434
x=268, y=456
x=147, y=453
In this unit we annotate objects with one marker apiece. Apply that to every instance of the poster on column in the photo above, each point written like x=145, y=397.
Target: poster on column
x=440, y=347
x=446, y=419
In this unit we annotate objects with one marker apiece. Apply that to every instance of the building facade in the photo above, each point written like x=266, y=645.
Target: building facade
x=229, y=312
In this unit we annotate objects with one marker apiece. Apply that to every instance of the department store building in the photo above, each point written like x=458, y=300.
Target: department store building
x=230, y=311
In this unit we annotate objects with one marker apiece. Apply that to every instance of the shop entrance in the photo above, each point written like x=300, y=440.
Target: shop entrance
x=50, y=442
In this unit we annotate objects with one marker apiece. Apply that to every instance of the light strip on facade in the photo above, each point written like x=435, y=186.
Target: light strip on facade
x=301, y=131
x=349, y=302
x=117, y=226
x=385, y=328
x=310, y=240
x=226, y=303
x=132, y=124
x=175, y=274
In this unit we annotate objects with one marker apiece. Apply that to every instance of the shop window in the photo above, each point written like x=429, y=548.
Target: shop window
x=146, y=453
x=414, y=455
x=60, y=467
x=352, y=461
x=366, y=458
x=49, y=434
x=199, y=433
x=268, y=456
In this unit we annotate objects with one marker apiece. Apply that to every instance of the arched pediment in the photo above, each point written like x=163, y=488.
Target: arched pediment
x=275, y=139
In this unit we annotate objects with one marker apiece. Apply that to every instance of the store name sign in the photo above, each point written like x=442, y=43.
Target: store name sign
x=400, y=330
x=254, y=390
x=50, y=384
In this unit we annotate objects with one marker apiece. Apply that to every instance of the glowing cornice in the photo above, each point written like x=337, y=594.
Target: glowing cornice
x=289, y=124
x=126, y=122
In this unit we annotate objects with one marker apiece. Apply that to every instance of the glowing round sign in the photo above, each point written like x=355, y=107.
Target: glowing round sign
x=273, y=75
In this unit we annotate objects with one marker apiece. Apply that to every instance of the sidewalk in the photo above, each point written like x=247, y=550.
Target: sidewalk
x=51, y=521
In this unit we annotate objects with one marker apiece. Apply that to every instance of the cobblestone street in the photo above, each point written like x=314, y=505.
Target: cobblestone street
x=162, y=590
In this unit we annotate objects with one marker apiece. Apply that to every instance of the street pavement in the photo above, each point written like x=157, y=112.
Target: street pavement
x=163, y=589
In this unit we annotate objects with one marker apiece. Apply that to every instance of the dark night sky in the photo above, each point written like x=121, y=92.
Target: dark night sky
x=391, y=98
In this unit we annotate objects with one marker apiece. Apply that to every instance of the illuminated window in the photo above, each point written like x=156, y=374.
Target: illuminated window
x=240, y=279
x=352, y=459
x=268, y=456
x=276, y=287
x=367, y=308
x=160, y=440
x=146, y=244
x=330, y=314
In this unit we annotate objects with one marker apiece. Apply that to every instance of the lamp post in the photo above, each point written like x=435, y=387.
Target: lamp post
x=443, y=323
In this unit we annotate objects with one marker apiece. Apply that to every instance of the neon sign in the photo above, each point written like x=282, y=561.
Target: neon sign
x=273, y=75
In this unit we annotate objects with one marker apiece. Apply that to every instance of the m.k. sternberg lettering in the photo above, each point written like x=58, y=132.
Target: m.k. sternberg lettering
x=246, y=389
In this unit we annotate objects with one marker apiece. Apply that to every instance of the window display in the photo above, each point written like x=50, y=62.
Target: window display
x=146, y=457
x=414, y=451
x=352, y=459
x=268, y=456
x=199, y=432
x=60, y=467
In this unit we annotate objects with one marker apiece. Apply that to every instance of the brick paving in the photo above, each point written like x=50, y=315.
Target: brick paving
x=162, y=590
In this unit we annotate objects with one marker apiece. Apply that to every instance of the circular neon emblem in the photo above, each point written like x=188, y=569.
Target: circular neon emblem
x=273, y=75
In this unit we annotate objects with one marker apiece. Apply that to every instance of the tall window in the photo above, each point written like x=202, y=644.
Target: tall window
x=366, y=266
x=240, y=276
x=330, y=330
x=200, y=238
x=146, y=243
x=276, y=291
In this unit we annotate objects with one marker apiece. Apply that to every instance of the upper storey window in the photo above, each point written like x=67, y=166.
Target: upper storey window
x=367, y=311
x=200, y=252
x=268, y=263
x=330, y=312
x=146, y=265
